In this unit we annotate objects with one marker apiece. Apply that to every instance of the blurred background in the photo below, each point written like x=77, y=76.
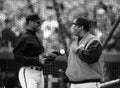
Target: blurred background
x=56, y=34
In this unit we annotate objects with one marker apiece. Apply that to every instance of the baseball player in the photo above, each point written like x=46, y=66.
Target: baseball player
x=30, y=53
x=85, y=68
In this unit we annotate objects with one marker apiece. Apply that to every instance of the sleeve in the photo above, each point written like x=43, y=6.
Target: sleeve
x=92, y=54
x=19, y=53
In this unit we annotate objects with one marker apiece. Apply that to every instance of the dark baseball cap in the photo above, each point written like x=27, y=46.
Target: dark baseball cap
x=81, y=21
x=33, y=18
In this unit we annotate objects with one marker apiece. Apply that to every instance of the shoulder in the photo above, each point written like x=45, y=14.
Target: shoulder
x=94, y=38
x=94, y=42
x=23, y=38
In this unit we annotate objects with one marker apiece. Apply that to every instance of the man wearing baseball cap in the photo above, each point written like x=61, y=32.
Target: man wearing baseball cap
x=27, y=52
x=85, y=68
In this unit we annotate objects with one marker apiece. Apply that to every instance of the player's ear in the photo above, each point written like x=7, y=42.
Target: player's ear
x=81, y=27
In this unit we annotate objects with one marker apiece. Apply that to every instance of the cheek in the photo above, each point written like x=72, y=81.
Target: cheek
x=72, y=29
x=76, y=31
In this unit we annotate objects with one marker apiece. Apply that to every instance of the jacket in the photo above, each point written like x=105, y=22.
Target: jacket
x=86, y=64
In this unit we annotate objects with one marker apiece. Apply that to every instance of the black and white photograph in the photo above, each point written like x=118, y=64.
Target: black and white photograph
x=59, y=43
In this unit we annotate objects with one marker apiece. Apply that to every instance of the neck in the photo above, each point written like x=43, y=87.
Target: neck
x=83, y=34
x=86, y=34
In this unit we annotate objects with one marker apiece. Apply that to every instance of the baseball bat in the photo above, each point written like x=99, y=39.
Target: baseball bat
x=111, y=32
x=109, y=83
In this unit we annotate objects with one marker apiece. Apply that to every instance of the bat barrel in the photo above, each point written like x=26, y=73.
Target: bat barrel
x=102, y=85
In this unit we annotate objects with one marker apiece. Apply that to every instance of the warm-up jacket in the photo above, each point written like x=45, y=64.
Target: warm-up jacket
x=28, y=49
x=85, y=64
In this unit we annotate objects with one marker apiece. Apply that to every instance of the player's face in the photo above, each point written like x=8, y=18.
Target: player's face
x=36, y=26
x=76, y=30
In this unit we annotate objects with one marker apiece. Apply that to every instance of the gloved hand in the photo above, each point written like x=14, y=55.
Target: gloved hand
x=56, y=53
x=42, y=59
x=50, y=58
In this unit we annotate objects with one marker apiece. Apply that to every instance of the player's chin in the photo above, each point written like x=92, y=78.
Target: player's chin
x=76, y=34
